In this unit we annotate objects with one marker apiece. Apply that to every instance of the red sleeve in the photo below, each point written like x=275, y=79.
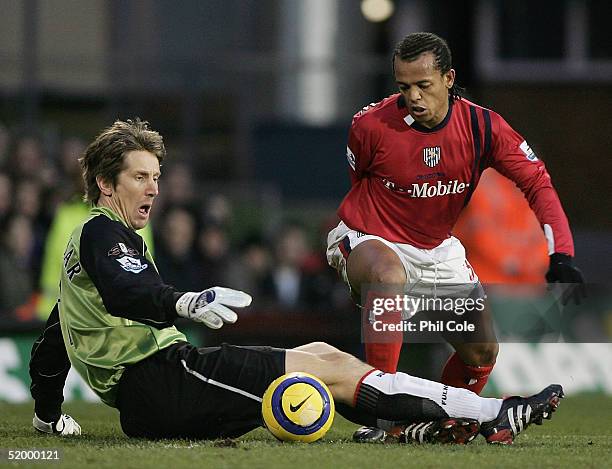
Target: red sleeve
x=359, y=150
x=512, y=157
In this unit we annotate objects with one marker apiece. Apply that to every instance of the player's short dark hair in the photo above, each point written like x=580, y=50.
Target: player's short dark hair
x=105, y=155
x=413, y=45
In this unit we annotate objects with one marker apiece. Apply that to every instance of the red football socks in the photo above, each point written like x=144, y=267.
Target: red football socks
x=384, y=356
x=456, y=373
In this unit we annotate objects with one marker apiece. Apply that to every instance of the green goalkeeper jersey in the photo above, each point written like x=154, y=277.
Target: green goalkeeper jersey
x=114, y=308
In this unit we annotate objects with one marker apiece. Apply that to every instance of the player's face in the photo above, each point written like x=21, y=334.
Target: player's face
x=136, y=188
x=424, y=88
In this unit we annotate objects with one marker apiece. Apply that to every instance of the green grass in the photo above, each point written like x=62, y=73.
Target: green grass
x=580, y=435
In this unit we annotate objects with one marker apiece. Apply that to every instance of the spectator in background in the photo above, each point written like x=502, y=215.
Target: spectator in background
x=176, y=257
x=70, y=181
x=250, y=269
x=29, y=162
x=5, y=144
x=27, y=203
x=16, y=273
x=28, y=199
x=178, y=187
x=213, y=249
x=287, y=283
x=6, y=195
x=28, y=157
x=501, y=235
x=218, y=210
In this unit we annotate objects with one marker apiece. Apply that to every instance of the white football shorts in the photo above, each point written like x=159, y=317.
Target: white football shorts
x=441, y=271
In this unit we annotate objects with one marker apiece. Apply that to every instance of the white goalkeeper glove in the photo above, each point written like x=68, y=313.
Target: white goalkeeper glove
x=65, y=426
x=211, y=306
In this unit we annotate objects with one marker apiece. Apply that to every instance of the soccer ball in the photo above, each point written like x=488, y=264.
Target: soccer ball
x=298, y=407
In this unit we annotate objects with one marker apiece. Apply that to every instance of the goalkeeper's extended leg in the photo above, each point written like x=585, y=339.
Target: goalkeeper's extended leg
x=393, y=400
x=400, y=400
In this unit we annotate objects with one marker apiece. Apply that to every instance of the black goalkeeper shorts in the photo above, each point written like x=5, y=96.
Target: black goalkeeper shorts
x=184, y=391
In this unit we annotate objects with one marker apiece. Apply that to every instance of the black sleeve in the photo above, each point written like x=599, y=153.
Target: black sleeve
x=49, y=366
x=128, y=283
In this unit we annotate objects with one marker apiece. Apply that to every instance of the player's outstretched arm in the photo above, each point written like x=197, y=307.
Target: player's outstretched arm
x=212, y=306
x=514, y=158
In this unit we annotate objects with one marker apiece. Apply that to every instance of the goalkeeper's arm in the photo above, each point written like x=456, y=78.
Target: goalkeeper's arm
x=144, y=297
x=49, y=366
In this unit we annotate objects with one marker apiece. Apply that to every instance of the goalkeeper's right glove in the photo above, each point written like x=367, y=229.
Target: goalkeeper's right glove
x=65, y=426
x=211, y=306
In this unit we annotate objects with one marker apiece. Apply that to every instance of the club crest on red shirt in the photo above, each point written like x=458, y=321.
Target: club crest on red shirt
x=431, y=156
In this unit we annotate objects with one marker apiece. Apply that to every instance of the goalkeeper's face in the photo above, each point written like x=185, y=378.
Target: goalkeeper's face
x=136, y=188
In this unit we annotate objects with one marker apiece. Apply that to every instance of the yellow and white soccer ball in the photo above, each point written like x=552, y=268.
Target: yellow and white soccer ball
x=298, y=407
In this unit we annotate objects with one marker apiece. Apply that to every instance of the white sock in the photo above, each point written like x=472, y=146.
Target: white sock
x=489, y=408
x=456, y=402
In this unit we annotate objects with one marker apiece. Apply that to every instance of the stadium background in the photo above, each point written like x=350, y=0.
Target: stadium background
x=254, y=99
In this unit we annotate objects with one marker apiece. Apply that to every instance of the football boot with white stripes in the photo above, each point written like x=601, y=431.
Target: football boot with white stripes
x=449, y=430
x=369, y=435
x=517, y=413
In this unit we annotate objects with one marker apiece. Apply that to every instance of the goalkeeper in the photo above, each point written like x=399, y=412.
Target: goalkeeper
x=114, y=320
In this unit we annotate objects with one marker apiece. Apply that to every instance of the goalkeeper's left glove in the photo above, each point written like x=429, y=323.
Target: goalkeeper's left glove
x=211, y=306
x=563, y=270
x=64, y=426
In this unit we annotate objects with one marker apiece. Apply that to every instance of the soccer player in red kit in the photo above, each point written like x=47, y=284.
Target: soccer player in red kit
x=415, y=159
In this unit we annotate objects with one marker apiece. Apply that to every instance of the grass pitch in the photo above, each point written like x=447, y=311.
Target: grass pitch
x=579, y=435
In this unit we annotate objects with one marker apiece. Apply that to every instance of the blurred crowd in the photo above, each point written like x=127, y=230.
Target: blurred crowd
x=195, y=236
x=34, y=181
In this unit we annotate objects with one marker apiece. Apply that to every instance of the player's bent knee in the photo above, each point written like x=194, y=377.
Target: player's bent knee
x=316, y=347
x=374, y=262
x=482, y=354
x=337, y=357
x=324, y=347
x=387, y=275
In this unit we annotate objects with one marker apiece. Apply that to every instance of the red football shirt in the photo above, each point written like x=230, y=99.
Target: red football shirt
x=410, y=183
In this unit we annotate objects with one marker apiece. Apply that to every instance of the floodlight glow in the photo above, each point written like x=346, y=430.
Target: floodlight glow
x=377, y=10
